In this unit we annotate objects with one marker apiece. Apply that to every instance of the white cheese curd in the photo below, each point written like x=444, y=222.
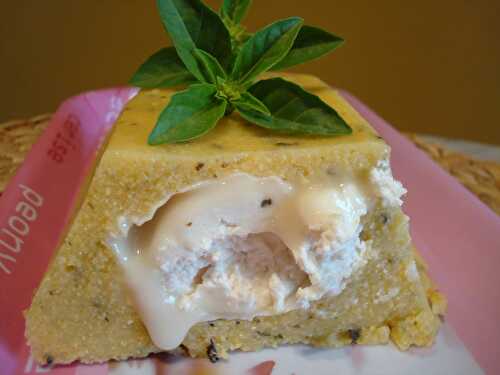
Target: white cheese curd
x=245, y=246
x=386, y=187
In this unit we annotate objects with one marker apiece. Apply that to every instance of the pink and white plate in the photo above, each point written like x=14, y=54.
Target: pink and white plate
x=457, y=235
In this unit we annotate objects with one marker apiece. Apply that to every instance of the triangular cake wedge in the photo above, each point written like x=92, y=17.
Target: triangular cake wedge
x=315, y=251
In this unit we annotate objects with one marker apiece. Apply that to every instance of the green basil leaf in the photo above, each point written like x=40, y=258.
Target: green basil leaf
x=163, y=69
x=265, y=48
x=190, y=114
x=294, y=110
x=235, y=10
x=210, y=67
x=311, y=43
x=191, y=24
x=248, y=102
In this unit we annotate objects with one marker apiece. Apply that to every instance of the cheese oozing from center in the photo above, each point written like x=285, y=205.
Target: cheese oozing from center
x=245, y=246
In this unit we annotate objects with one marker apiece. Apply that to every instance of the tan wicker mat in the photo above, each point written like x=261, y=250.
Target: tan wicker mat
x=480, y=177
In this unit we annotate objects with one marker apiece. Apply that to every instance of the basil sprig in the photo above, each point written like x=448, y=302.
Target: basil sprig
x=221, y=61
x=235, y=10
x=190, y=114
x=163, y=69
x=292, y=110
x=265, y=49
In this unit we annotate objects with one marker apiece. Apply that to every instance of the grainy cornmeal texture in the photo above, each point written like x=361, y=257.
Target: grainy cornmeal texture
x=83, y=311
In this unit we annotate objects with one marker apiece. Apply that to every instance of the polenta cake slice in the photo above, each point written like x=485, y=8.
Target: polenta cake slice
x=239, y=240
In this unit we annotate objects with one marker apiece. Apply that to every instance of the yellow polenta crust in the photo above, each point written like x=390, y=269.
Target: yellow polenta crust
x=83, y=311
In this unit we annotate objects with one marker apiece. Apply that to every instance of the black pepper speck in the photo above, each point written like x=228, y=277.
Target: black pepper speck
x=286, y=144
x=384, y=218
x=266, y=202
x=212, y=352
x=199, y=166
x=49, y=359
x=354, y=334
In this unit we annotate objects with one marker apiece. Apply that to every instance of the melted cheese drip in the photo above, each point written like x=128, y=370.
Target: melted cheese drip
x=240, y=247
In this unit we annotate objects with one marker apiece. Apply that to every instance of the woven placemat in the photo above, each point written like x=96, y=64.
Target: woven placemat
x=480, y=177
x=16, y=138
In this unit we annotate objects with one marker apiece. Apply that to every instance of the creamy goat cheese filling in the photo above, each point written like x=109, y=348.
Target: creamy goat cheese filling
x=245, y=246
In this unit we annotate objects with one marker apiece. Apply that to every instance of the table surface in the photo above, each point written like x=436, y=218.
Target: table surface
x=475, y=150
x=475, y=165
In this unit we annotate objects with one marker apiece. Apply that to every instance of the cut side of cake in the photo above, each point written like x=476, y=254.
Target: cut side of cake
x=239, y=240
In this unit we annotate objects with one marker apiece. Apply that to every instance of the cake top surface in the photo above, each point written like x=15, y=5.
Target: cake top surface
x=233, y=134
